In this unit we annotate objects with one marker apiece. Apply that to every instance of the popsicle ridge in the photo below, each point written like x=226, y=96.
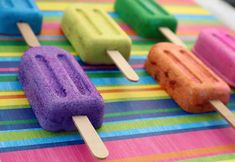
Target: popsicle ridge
x=225, y=41
x=50, y=76
x=199, y=70
x=87, y=20
x=150, y=7
x=183, y=67
x=76, y=78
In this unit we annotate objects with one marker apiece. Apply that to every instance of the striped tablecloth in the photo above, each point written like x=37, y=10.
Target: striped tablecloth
x=141, y=122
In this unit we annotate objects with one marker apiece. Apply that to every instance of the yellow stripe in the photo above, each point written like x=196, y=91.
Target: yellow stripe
x=186, y=10
x=9, y=93
x=12, y=54
x=140, y=53
x=63, y=5
x=13, y=102
x=133, y=95
x=6, y=93
x=100, y=88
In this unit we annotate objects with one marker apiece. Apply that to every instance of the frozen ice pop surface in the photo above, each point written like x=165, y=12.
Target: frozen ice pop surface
x=14, y=11
x=186, y=79
x=216, y=48
x=145, y=17
x=92, y=32
x=58, y=88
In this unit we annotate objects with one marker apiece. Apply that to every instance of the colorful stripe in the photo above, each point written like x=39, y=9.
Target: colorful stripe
x=141, y=122
x=188, y=148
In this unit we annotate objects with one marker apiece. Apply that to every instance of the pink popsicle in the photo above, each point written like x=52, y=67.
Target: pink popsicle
x=216, y=48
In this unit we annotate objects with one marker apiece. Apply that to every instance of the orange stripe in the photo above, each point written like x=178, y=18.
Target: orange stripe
x=180, y=155
x=12, y=96
x=128, y=90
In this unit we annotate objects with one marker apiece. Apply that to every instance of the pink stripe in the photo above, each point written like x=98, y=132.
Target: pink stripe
x=51, y=25
x=8, y=69
x=146, y=146
x=182, y=2
x=182, y=28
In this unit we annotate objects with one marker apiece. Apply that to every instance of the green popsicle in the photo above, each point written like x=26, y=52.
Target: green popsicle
x=148, y=19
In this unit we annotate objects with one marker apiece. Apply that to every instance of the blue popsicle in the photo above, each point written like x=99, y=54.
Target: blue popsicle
x=14, y=11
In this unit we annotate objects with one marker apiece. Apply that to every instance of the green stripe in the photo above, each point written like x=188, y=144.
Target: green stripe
x=212, y=158
x=8, y=78
x=15, y=122
x=14, y=107
x=113, y=75
x=143, y=112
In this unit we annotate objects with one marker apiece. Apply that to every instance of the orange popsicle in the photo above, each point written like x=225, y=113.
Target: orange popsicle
x=187, y=80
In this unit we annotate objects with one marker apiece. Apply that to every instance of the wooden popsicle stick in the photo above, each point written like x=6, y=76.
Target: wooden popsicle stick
x=90, y=136
x=224, y=111
x=171, y=36
x=28, y=34
x=123, y=65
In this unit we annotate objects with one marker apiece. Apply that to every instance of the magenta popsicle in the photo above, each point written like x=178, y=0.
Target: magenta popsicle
x=216, y=48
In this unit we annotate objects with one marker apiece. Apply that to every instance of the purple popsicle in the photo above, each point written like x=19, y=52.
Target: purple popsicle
x=58, y=89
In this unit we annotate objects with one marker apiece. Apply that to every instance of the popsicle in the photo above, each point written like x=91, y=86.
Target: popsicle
x=18, y=16
x=188, y=81
x=97, y=38
x=216, y=48
x=148, y=19
x=61, y=94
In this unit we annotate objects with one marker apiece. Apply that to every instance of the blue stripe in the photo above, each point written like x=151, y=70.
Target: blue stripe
x=115, y=107
x=9, y=64
x=11, y=86
x=6, y=59
x=195, y=17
